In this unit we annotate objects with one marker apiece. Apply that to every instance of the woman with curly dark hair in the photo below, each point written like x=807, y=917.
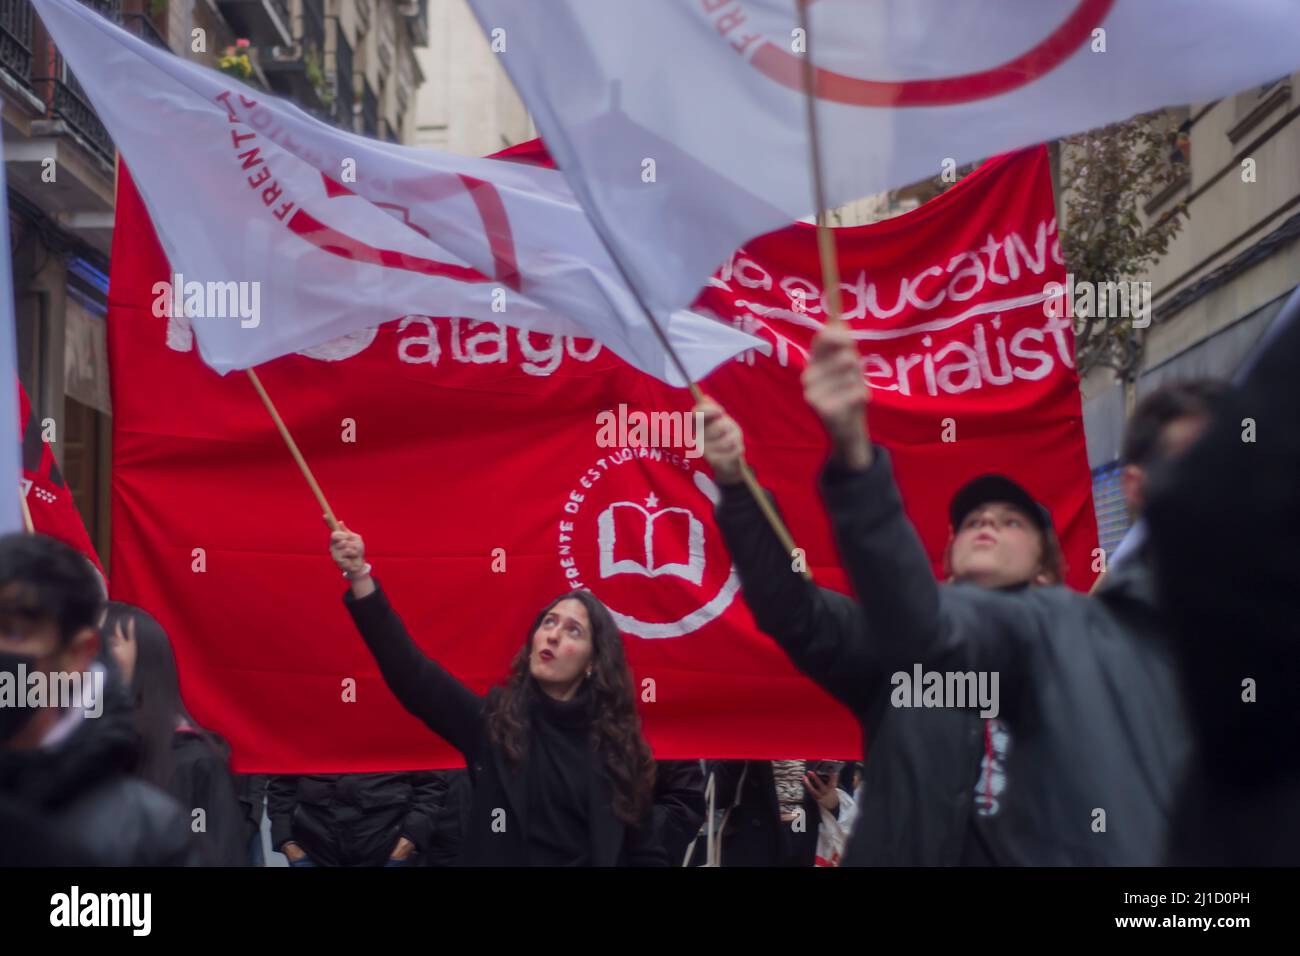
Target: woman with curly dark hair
x=562, y=775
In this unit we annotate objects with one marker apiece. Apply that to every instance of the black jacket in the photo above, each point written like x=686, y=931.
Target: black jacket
x=1087, y=687
x=452, y=819
x=1224, y=527
x=679, y=806
x=201, y=779
x=28, y=838
x=454, y=712
x=755, y=834
x=85, y=789
x=250, y=791
x=1087, y=684
x=921, y=766
x=354, y=819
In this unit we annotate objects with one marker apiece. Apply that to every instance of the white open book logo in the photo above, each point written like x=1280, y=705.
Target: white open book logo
x=614, y=560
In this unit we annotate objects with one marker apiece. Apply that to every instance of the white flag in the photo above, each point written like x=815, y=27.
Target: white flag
x=283, y=232
x=11, y=441
x=682, y=127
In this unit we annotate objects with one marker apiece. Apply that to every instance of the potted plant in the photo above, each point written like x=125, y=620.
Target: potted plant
x=234, y=61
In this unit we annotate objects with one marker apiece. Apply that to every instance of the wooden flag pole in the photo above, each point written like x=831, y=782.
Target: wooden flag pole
x=764, y=503
x=746, y=473
x=27, y=512
x=825, y=235
x=293, y=450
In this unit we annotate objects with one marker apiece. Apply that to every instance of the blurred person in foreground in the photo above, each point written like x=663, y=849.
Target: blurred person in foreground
x=70, y=764
x=1224, y=527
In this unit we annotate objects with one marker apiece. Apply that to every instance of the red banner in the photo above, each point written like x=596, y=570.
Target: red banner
x=480, y=464
x=48, y=497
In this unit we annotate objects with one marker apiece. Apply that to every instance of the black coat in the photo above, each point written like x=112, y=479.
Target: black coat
x=679, y=806
x=454, y=712
x=354, y=819
x=1086, y=685
x=202, y=779
x=84, y=787
x=920, y=766
x=755, y=834
x=452, y=819
x=29, y=838
x=250, y=791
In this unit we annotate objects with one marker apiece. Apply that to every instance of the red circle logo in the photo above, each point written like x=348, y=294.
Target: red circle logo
x=781, y=65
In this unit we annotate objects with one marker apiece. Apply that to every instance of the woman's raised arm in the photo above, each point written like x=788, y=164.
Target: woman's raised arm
x=421, y=685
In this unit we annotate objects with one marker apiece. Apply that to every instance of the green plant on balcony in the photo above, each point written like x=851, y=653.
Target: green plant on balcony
x=311, y=58
x=234, y=61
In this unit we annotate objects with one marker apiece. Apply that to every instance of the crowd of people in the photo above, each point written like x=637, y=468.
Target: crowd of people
x=1123, y=735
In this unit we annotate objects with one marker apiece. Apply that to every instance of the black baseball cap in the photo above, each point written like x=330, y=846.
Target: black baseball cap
x=993, y=487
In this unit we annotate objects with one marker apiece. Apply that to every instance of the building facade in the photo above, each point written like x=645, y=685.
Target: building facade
x=351, y=63
x=468, y=106
x=1224, y=278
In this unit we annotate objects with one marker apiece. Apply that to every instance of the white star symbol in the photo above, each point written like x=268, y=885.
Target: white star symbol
x=652, y=502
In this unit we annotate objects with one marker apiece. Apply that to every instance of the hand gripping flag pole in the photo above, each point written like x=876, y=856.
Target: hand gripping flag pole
x=746, y=473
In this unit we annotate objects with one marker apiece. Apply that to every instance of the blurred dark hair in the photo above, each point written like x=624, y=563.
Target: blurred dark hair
x=155, y=693
x=1052, y=559
x=615, y=727
x=1143, y=435
x=42, y=579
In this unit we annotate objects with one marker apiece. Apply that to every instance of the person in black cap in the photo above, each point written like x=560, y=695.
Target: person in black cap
x=1001, y=536
x=1086, y=685
x=934, y=781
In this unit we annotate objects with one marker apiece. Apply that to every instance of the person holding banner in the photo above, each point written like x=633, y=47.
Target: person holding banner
x=562, y=774
x=1086, y=683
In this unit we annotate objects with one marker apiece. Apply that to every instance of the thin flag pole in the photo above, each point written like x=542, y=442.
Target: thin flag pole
x=746, y=473
x=293, y=450
x=825, y=235
x=27, y=512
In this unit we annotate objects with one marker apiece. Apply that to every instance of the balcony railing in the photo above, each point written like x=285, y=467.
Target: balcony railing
x=70, y=104
x=66, y=100
x=16, y=39
x=261, y=22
